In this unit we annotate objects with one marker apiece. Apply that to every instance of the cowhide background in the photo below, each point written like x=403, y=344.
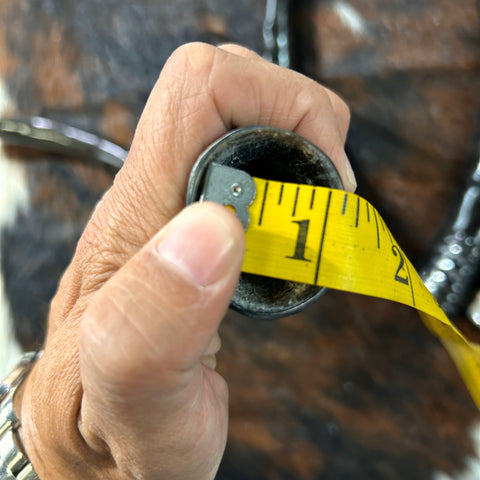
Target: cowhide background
x=353, y=388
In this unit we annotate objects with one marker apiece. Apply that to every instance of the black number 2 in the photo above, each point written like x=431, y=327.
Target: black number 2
x=301, y=240
x=396, y=251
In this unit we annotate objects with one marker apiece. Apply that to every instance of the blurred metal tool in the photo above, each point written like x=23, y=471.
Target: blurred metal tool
x=276, y=32
x=452, y=272
x=45, y=134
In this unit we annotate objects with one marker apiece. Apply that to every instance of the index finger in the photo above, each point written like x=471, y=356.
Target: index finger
x=342, y=112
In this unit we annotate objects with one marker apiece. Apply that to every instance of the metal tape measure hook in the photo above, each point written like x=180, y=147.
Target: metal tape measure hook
x=230, y=187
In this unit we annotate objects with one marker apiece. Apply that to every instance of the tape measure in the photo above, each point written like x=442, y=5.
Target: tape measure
x=330, y=238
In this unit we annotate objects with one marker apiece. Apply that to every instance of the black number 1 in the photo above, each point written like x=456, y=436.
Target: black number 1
x=301, y=240
x=398, y=278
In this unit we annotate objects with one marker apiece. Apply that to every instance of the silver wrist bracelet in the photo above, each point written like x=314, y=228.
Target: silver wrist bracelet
x=14, y=464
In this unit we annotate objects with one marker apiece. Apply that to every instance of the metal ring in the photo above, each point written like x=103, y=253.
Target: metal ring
x=280, y=155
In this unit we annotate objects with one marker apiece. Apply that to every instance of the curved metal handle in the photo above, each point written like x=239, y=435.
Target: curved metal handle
x=56, y=137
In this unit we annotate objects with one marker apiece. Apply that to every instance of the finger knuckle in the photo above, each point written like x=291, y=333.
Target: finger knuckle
x=309, y=96
x=339, y=105
x=189, y=56
x=343, y=107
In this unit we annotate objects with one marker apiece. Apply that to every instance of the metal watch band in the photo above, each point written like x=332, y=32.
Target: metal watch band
x=14, y=464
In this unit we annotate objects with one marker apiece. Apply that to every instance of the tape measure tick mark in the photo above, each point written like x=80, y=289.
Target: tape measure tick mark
x=358, y=212
x=312, y=201
x=345, y=200
x=411, y=284
x=263, y=203
x=281, y=195
x=317, y=269
x=388, y=231
x=295, y=202
x=378, y=232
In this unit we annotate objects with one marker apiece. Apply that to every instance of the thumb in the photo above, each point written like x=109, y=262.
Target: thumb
x=145, y=336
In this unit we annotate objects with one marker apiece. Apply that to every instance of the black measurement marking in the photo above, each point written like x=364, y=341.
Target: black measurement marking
x=281, y=195
x=388, y=231
x=368, y=211
x=378, y=232
x=301, y=240
x=411, y=284
x=319, y=258
x=345, y=200
x=295, y=203
x=358, y=212
x=263, y=203
x=398, y=278
x=313, y=199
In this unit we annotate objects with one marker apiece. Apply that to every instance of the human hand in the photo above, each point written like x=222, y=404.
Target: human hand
x=126, y=386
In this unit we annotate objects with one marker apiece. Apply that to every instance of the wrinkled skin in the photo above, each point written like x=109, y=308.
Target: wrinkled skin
x=126, y=386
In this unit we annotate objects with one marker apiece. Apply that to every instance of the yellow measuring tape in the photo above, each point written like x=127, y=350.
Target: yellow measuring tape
x=334, y=239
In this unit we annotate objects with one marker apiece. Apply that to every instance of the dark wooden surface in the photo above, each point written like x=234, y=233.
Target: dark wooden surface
x=353, y=388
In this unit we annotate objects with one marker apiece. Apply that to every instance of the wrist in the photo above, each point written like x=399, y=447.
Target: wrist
x=50, y=436
x=14, y=463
